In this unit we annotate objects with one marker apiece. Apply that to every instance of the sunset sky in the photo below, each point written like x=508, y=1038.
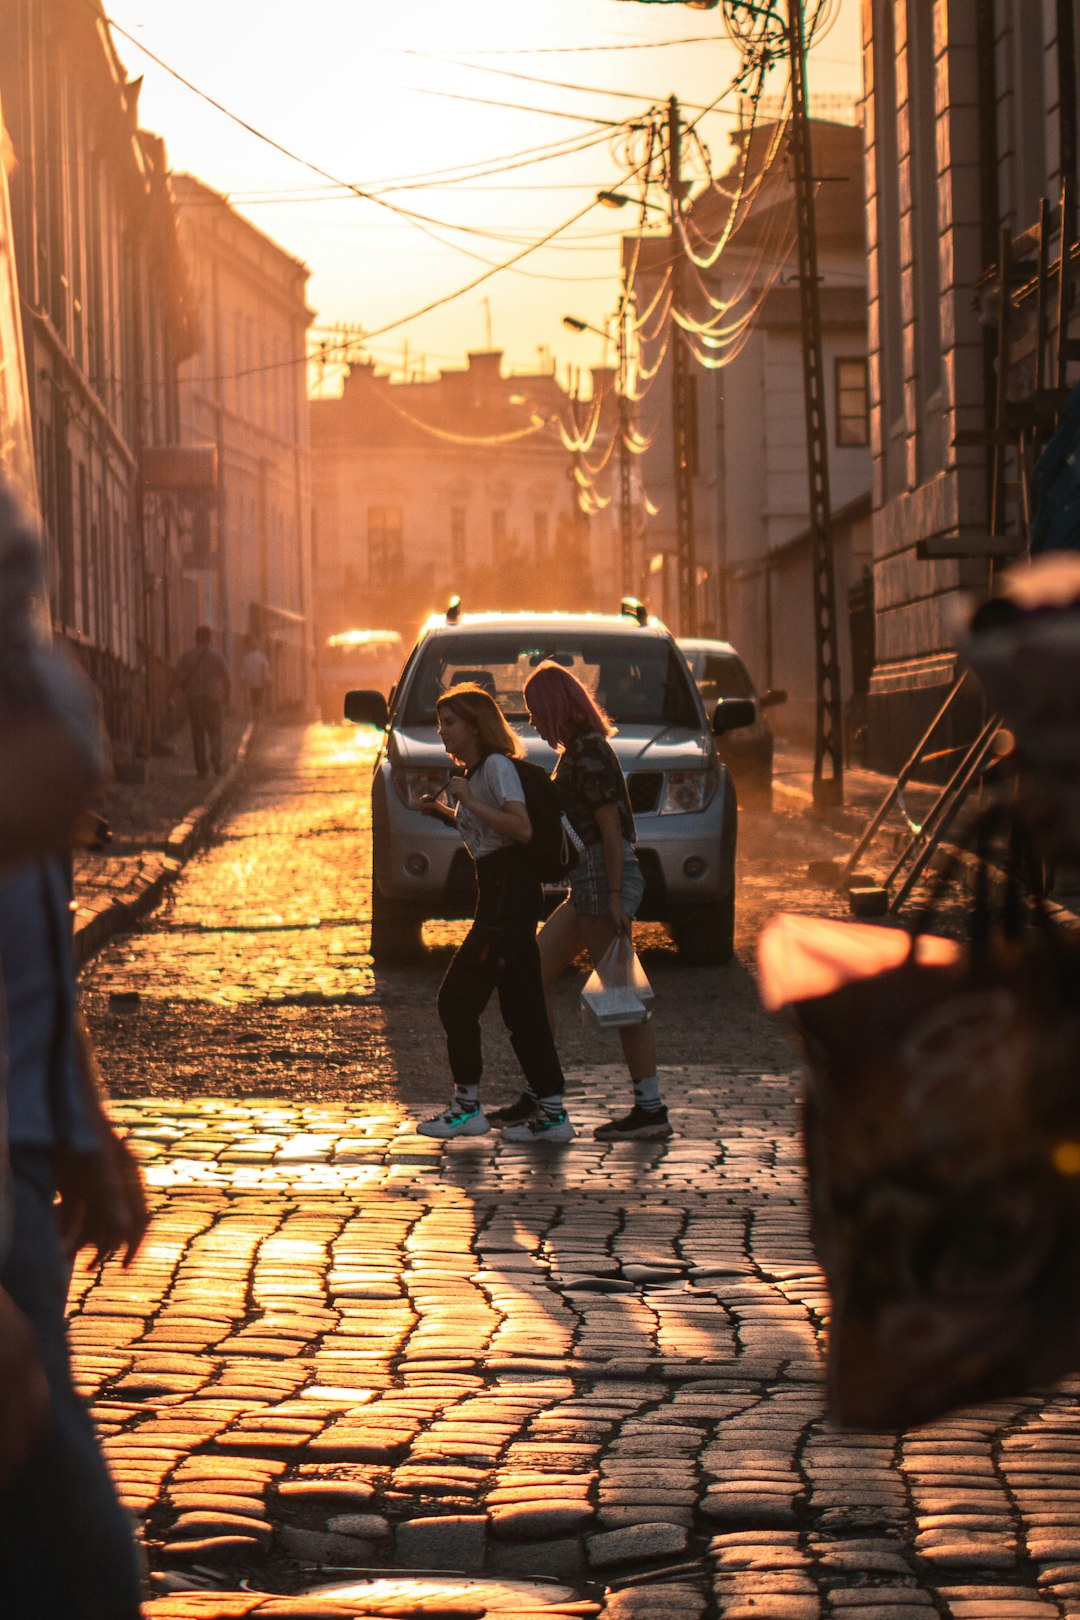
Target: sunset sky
x=383, y=95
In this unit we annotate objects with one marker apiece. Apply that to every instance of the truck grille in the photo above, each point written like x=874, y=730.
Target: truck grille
x=644, y=788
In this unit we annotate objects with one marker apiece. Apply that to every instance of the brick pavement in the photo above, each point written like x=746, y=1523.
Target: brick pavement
x=588, y=1381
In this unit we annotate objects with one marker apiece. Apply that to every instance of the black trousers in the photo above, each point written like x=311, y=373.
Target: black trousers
x=500, y=953
x=205, y=717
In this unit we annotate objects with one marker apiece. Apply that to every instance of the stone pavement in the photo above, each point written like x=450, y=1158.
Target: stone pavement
x=156, y=826
x=348, y=1347
x=580, y=1381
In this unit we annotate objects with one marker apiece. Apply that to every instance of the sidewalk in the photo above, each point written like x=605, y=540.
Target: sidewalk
x=864, y=791
x=156, y=826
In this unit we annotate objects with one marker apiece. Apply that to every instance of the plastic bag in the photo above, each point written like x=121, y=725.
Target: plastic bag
x=617, y=992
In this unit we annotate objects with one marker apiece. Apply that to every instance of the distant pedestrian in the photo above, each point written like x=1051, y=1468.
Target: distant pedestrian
x=203, y=676
x=606, y=884
x=487, y=805
x=256, y=677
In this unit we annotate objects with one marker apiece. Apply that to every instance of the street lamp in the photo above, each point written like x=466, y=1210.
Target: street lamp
x=619, y=199
x=574, y=324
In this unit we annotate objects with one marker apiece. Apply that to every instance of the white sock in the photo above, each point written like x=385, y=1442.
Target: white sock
x=553, y=1105
x=647, y=1093
x=467, y=1096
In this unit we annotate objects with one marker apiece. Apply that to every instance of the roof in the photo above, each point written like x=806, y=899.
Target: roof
x=603, y=622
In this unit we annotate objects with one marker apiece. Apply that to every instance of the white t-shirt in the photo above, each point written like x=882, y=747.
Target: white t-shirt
x=256, y=668
x=495, y=784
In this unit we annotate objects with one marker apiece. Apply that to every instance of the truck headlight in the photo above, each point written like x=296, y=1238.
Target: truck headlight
x=415, y=782
x=687, y=791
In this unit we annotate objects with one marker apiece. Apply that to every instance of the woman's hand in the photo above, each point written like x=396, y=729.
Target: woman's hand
x=460, y=789
x=619, y=914
x=430, y=804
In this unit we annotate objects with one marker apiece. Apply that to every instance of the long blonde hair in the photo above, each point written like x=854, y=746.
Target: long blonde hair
x=478, y=708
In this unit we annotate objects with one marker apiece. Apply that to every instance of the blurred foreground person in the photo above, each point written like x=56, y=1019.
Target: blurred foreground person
x=66, y=1549
x=51, y=757
x=66, y=1545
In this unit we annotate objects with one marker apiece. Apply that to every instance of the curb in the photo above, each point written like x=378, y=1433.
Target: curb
x=98, y=917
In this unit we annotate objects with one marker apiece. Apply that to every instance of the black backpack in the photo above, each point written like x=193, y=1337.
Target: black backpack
x=550, y=851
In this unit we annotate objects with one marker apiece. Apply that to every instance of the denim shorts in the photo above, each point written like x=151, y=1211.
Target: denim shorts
x=589, y=883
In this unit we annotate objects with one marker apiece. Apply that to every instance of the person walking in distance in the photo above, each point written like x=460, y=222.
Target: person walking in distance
x=203, y=676
x=256, y=677
x=606, y=884
x=487, y=805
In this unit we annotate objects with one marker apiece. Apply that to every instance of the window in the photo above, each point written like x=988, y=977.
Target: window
x=639, y=680
x=457, y=541
x=498, y=533
x=852, y=403
x=386, y=553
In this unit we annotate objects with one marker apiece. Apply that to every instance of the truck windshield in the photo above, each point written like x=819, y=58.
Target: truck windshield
x=636, y=681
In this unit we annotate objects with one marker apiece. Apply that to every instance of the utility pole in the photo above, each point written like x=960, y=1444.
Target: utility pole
x=683, y=425
x=828, y=741
x=626, y=494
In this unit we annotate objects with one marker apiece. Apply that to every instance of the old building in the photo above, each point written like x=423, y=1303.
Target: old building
x=244, y=392
x=971, y=133
x=106, y=322
x=740, y=317
x=465, y=484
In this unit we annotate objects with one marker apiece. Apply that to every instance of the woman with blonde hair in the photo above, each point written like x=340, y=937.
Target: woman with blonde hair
x=486, y=802
x=606, y=884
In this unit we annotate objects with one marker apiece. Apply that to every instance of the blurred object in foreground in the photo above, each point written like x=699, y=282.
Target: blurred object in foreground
x=942, y=1139
x=1024, y=645
x=51, y=742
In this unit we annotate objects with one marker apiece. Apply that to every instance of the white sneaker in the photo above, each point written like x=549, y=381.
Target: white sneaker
x=458, y=1120
x=541, y=1128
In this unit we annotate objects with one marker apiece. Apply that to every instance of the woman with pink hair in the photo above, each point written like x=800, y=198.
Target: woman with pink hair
x=606, y=884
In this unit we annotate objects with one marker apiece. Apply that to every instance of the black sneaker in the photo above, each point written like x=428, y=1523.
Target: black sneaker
x=514, y=1113
x=639, y=1125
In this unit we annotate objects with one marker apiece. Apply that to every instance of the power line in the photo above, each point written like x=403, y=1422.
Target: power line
x=575, y=50
x=560, y=84
x=512, y=106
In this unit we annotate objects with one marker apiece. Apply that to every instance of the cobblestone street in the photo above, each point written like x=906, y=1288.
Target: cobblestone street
x=471, y=1377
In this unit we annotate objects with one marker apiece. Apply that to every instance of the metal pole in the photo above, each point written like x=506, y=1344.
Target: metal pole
x=626, y=511
x=681, y=400
x=828, y=746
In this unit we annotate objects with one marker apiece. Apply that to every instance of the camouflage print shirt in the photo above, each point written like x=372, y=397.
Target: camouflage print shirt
x=587, y=776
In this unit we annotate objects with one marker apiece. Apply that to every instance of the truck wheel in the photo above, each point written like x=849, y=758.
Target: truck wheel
x=705, y=936
x=396, y=938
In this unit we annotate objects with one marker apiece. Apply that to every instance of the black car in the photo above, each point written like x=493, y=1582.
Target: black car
x=719, y=672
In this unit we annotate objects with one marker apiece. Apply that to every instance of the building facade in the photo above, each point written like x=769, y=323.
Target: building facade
x=468, y=484
x=751, y=487
x=243, y=392
x=107, y=319
x=971, y=130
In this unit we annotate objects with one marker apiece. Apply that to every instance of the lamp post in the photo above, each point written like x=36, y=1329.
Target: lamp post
x=626, y=513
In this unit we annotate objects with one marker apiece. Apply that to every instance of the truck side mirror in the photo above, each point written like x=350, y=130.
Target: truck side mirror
x=731, y=714
x=366, y=708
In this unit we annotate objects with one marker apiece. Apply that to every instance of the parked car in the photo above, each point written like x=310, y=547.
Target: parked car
x=719, y=672
x=682, y=795
x=355, y=658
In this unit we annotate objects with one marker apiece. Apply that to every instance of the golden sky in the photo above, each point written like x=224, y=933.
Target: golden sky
x=385, y=94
